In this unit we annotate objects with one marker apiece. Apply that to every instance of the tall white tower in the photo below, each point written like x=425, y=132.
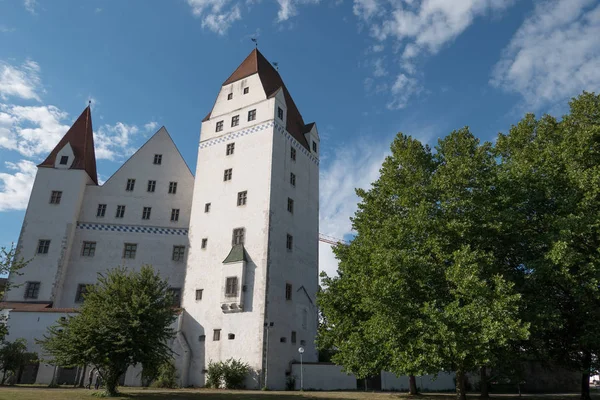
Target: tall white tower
x=252, y=269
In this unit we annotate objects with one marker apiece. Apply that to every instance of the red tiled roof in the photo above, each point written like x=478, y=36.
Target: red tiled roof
x=272, y=82
x=81, y=138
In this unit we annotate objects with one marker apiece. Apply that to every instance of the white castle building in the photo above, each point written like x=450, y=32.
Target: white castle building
x=238, y=242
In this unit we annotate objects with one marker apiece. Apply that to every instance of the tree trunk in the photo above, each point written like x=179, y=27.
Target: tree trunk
x=3, y=377
x=412, y=383
x=461, y=393
x=585, y=376
x=485, y=390
x=82, y=377
x=110, y=385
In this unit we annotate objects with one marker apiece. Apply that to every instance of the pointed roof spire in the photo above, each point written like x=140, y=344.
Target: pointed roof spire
x=81, y=138
x=271, y=81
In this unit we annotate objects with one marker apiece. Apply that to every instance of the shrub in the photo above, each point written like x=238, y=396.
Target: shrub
x=167, y=376
x=229, y=374
x=290, y=383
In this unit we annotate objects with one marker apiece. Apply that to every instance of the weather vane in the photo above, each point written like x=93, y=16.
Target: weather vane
x=276, y=65
x=255, y=40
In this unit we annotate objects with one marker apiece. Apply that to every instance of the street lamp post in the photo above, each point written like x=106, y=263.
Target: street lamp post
x=301, y=351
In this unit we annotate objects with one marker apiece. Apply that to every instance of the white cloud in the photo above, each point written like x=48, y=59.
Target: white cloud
x=22, y=82
x=554, y=55
x=417, y=28
x=6, y=29
x=378, y=68
x=288, y=8
x=151, y=126
x=30, y=5
x=15, y=187
x=356, y=165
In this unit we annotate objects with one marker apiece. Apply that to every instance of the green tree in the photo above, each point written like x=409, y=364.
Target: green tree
x=124, y=320
x=551, y=178
x=13, y=356
x=10, y=264
x=419, y=289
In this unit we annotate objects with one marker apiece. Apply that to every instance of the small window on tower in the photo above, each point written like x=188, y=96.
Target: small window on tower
x=64, y=160
x=176, y=296
x=251, y=115
x=151, y=186
x=303, y=343
x=43, y=246
x=199, y=294
x=231, y=336
x=129, y=250
x=290, y=205
x=207, y=207
x=204, y=243
x=283, y=339
x=235, y=120
x=178, y=253
x=55, y=197
x=130, y=185
x=146, y=212
x=292, y=179
x=219, y=126
x=293, y=154
x=101, y=210
x=230, y=149
x=120, y=212
x=172, y=187
x=293, y=336
x=288, y=291
x=158, y=159
x=289, y=243
x=314, y=146
x=175, y=214
x=202, y=338
x=88, y=249
x=242, y=197
x=238, y=236
x=280, y=113
x=32, y=290
x=216, y=335
x=227, y=174
x=246, y=90
x=230, y=96
x=231, y=286
x=82, y=291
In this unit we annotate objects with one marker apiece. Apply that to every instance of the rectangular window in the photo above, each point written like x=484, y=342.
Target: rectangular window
x=238, y=236
x=242, y=197
x=251, y=115
x=230, y=149
x=151, y=186
x=293, y=336
x=293, y=154
x=43, y=246
x=120, y=212
x=199, y=294
x=290, y=205
x=175, y=214
x=314, y=146
x=64, y=160
x=235, y=120
x=32, y=290
x=130, y=185
x=178, y=253
x=55, y=197
x=175, y=296
x=219, y=126
x=172, y=187
x=82, y=291
x=146, y=212
x=246, y=90
x=230, y=96
x=204, y=243
x=292, y=179
x=289, y=243
x=231, y=286
x=288, y=291
x=227, y=174
x=88, y=249
x=216, y=335
x=207, y=207
x=129, y=250
x=158, y=159
x=280, y=113
x=101, y=210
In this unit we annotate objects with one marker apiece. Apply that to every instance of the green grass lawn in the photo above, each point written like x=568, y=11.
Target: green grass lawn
x=42, y=393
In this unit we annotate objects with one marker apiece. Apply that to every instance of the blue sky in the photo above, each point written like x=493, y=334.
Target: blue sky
x=362, y=69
